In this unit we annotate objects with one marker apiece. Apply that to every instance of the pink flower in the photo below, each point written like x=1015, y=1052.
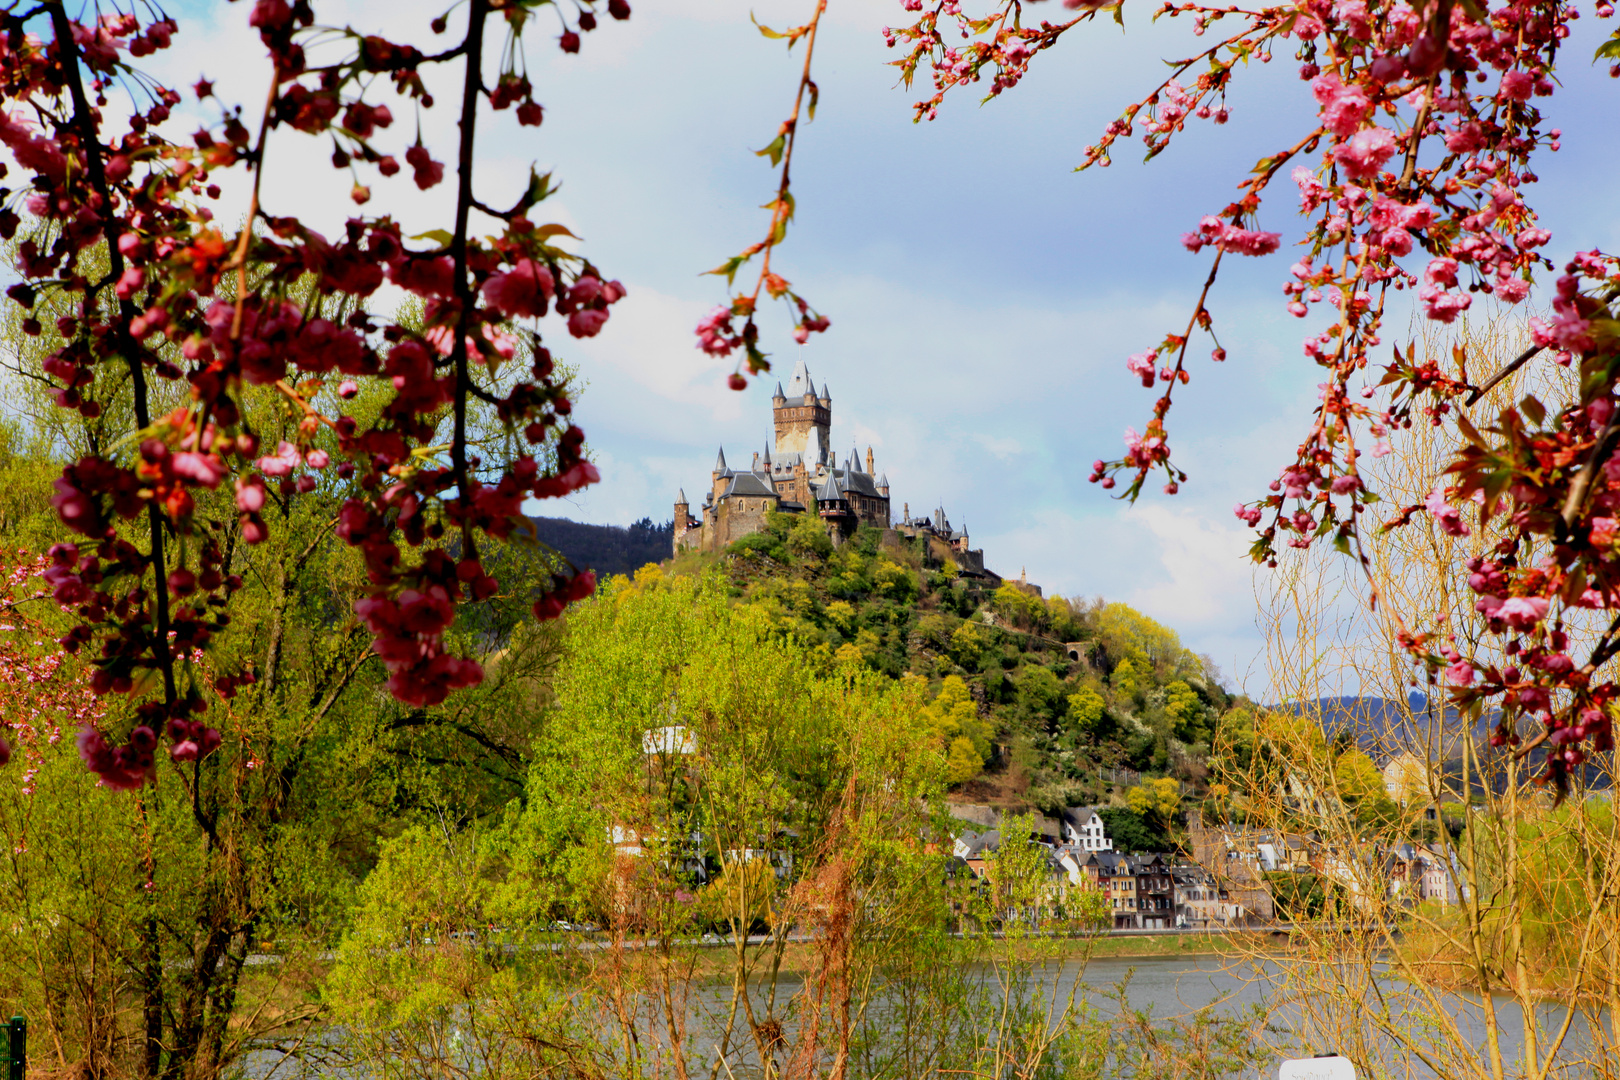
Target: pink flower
x=1444, y=306
x=586, y=322
x=1142, y=365
x=427, y=172
x=1522, y=612
x=424, y=277
x=1460, y=673
x=1445, y=515
x=1517, y=86
x=282, y=464
x=32, y=152
x=525, y=290
x=204, y=469
x=249, y=494
x=1311, y=192
x=1343, y=107
x=130, y=282
x=1512, y=289
x=1603, y=531
x=1365, y=152
x=1441, y=272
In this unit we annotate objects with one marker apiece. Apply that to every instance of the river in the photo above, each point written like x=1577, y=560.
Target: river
x=1171, y=987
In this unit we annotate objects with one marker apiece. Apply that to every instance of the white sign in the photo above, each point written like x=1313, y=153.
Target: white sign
x=1331, y=1067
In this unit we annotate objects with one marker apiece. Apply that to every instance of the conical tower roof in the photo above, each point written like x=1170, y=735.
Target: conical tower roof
x=720, y=462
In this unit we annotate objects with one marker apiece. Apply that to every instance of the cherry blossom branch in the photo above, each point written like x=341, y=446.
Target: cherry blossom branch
x=716, y=334
x=84, y=120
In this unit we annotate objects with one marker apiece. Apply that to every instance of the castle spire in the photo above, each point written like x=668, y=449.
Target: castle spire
x=800, y=384
x=720, y=463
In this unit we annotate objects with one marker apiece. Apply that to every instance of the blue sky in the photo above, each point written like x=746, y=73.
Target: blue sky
x=983, y=296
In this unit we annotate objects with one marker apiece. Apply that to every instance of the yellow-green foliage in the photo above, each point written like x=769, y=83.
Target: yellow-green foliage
x=967, y=644
x=1156, y=799
x=1124, y=680
x=955, y=719
x=1086, y=709
x=1127, y=634
x=1357, y=777
x=1022, y=608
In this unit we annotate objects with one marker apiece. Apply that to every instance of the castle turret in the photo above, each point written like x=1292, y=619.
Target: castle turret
x=871, y=469
x=778, y=399
x=826, y=397
x=719, y=477
x=883, y=486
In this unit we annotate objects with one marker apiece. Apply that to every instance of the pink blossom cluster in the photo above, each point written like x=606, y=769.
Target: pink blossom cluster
x=190, y=313
x=1215, y=233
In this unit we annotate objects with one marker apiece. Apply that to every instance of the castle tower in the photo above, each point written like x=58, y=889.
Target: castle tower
x=720, y=475
x=683, y=511
x=871, y=469
x=798, y=412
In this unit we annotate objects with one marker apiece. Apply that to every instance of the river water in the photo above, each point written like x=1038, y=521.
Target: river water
x=1177, y=987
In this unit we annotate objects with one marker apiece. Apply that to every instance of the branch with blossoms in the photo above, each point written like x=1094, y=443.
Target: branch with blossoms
x=719, y=334
x=42, y=697
x=1421, y=184
x=417, y=501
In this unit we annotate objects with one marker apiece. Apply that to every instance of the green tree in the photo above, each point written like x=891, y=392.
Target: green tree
x=1087, y=710
x=1186, y=712
x=1357, y=777
x=1124, y=680
x=1158, y=801
x=954, y=715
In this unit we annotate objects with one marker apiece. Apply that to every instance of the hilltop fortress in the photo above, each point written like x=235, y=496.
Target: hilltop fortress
x=798, y=474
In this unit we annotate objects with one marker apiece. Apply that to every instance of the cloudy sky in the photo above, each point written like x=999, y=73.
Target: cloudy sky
x=983, y=296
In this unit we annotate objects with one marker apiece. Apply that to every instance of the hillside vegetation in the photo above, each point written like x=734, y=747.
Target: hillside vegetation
x=1038, y=702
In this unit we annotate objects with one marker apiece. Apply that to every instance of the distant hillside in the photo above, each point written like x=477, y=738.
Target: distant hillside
x=608, y=549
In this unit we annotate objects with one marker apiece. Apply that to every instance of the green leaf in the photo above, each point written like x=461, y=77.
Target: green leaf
x=1533, y=408
x=546, y=232
x=774, y=35
x=439, y=236
x=540, y=189
x=729, y=268
x=775, y=150
x=815, y=96
x=1341, y=543
x=1609, y=50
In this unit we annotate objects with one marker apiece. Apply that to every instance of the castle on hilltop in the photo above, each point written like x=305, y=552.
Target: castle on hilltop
x=799, y=474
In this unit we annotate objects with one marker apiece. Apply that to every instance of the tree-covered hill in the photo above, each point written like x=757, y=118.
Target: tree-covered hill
x=1038, y=702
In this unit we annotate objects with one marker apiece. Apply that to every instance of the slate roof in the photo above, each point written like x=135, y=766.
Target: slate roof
x=747, y=483
x=860, y=484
